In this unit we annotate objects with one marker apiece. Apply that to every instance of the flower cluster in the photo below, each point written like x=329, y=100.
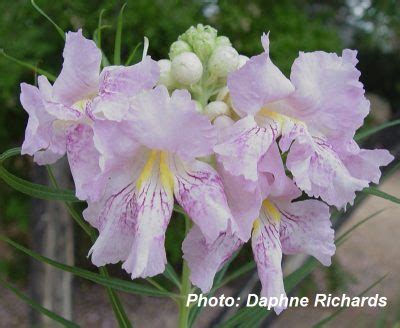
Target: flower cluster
x=229, y=138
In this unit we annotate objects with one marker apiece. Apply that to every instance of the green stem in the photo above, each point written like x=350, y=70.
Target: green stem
x=186, y=287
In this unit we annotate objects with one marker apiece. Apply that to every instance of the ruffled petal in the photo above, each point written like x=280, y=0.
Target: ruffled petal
x=244, y=199
x=318, y=170
x=268, y=256
x=79, y=77
x=305, y=228
x=83, y=158
x=115, y=217
x=155, y=202
x=276, y=183
x=119, y=83
x=198, y=189
x=205, y=259
x=258, y=83
x=364, y=163
x=115, y=142
x=43, y=139
x=171, y=123
x=329, y=96
x=244, y=143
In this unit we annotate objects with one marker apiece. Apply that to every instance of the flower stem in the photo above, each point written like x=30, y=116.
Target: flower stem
x=185, y=286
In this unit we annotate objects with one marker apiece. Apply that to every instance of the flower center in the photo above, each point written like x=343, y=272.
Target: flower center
x=157, y=166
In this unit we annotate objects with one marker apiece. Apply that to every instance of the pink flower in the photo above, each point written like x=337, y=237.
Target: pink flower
x=60, y=115
x=314, y=116
x=148, y=158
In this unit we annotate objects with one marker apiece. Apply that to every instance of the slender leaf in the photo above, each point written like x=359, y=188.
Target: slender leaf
x=99, y=28
x=58, y=28
x=171, y=275
x=333, y=315
x=114, y=283
x=29, y=188
x=50, y=76
x=343, y=236
x=118, y=37
x=133, y=54
x=38, y=307
x=367, y=133
x=237, y=273
x=381, y=194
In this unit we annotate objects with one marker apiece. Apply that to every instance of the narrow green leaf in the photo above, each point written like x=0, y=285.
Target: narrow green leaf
x=237, y=273
x=114, y=283
x=36, y=190
x=29, y=188
x=333, y=315
x=118, y=37
x=367, y=133
x=171, y=275
x=38, y=307
x=50, y=76
x=99, y=28
x=58, y=28
x=381, y=194
x=133, y=54
x=342, y=237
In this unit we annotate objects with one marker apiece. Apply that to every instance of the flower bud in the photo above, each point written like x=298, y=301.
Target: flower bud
x=242, y=60
x=165, y=74
x=223, y=121
x=186, y=68
x=223, y=41
x=202, y=39
x=215, y=109
x=177, y=48
x=224, y=60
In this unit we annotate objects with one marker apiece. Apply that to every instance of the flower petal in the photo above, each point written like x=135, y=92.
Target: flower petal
x=305, y=228
x=83, y=160
x=171, y=123
x=115, y=142
x=318, y=170
x=118, y=83
x=244, y=143
x=257, y=83
x=198, y=189
x=155, y=202
x=329, y=96
x=268, y=256
x=364, y=163
x=42, y=139
x=244, y=199
x=205, y=259
x=79, y=77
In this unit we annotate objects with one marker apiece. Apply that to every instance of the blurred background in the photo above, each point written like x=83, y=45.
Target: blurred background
x=371, y=27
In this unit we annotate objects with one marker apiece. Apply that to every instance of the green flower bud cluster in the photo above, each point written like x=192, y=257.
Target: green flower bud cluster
x=200, y=61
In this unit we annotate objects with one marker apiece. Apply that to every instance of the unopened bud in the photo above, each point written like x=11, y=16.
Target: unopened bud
x=223, y=121
x=202, y=39
x=223, y=41
x=165, y=74
x=215, y=109
x=186, y=68
x=223, y=61
x=178, y=47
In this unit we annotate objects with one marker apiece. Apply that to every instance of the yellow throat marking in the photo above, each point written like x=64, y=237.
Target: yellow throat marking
x=160, y=159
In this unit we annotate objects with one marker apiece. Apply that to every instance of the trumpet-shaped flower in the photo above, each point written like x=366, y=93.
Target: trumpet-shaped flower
x=281, y=226
x=162, y=136
x=315, y=114
x=60, y=115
